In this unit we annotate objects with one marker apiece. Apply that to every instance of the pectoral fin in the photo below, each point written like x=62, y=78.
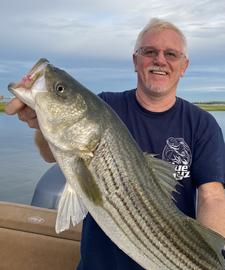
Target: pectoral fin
x=87, y=182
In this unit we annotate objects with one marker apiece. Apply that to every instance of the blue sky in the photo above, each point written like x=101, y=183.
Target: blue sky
x=93, y=40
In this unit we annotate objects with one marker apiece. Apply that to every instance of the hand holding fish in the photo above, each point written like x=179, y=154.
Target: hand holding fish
x=25, y=113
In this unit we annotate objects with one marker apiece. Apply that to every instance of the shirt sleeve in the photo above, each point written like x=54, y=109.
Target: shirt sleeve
x=209, y=153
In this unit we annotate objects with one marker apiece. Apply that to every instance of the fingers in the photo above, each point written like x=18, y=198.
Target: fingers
x=33, y=123
x=14, y=106
x=25, y=113
x=29, y=116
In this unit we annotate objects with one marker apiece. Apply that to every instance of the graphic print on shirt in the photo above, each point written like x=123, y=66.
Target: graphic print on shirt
x=178, y=153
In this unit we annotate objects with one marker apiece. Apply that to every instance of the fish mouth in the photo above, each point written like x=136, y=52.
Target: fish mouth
x=32, y=83
x=31, y=77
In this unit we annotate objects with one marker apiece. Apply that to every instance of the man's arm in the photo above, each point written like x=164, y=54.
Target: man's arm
x=211, y=206
x=26, y=114
x=43, y=147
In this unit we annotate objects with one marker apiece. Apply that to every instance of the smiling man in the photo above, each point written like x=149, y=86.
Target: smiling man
x=172, y=129
x=160, y=59
x=165, y=125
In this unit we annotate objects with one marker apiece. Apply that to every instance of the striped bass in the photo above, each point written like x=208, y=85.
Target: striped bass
x=127, y=192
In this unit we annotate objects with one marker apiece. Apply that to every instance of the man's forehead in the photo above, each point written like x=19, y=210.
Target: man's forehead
x=167, y=37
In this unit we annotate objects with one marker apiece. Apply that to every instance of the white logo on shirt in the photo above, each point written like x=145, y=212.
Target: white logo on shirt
x=178, y=153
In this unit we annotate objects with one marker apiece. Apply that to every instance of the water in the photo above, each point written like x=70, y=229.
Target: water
x=220, y=118
x=20, y=163
x=202, y=96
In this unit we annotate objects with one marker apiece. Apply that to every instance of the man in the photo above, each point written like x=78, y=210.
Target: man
x=165, y=125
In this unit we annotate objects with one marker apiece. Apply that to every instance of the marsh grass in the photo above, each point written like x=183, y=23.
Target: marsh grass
x=2, y=106
x=212, y=106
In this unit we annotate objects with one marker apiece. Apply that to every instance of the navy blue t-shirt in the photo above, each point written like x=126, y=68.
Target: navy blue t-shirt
x=184, y=135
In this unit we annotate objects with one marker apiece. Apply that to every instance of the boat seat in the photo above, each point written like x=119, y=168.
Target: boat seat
x=28, y=240
x=49, y=188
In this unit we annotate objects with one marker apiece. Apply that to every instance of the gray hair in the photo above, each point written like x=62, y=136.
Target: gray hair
x=156, y=24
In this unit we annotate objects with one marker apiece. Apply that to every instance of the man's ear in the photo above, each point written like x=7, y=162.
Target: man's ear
x=185, y=65
x=135, y=62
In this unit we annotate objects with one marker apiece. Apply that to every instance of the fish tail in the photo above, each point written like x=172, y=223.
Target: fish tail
x=70, y=209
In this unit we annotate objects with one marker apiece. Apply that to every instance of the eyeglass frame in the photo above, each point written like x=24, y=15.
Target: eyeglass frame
x=177, y=55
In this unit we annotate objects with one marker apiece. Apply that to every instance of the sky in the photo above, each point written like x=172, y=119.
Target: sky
x=93, y=40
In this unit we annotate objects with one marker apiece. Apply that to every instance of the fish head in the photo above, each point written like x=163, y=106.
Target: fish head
x=67, y=112
x=66, y=97
x=50, y=90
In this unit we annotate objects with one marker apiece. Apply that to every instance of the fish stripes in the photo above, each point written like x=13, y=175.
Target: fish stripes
x=138, y=213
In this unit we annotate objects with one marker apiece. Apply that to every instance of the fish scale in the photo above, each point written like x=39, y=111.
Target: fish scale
x=124, y=208
x=128, y=193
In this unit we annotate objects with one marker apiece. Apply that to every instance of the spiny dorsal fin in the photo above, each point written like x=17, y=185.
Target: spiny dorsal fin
x=164, y=171
x=213, y=239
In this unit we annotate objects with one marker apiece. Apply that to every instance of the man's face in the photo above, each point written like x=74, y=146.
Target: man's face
x=158, y=74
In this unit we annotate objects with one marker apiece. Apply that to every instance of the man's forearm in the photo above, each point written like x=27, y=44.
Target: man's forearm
x=211, y=208
x=43, y=147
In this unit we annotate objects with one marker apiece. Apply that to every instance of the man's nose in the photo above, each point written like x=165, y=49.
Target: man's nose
x=160, y=57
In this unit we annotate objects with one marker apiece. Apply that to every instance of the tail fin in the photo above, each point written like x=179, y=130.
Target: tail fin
x=70, y=208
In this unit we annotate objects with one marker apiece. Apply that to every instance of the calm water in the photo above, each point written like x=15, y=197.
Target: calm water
x=220, y=117
x=20, y=163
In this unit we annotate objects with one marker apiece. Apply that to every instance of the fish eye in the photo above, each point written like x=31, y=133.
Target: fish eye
x=60, y=88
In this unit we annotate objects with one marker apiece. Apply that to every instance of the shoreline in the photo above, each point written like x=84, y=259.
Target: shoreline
x=211, y=106
x=208, y=106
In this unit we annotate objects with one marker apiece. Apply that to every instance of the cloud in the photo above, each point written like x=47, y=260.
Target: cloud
x=96, y=37
x=92, y=27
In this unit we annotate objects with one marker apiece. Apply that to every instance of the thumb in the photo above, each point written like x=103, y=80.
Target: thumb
x=14, y=106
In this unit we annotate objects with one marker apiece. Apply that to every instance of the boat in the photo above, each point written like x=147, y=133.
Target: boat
x=27, y=232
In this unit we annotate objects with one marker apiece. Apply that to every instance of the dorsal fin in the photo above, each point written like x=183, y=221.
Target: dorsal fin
x=164, y=171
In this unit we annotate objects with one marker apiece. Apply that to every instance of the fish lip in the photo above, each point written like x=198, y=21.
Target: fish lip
x=31, y=84
x=40, y=62
x=28, y=80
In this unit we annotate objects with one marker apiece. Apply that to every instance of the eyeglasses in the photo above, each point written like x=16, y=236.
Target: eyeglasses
x=151, y=52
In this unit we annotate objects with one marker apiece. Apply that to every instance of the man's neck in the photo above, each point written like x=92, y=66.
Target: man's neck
x=155, y=103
